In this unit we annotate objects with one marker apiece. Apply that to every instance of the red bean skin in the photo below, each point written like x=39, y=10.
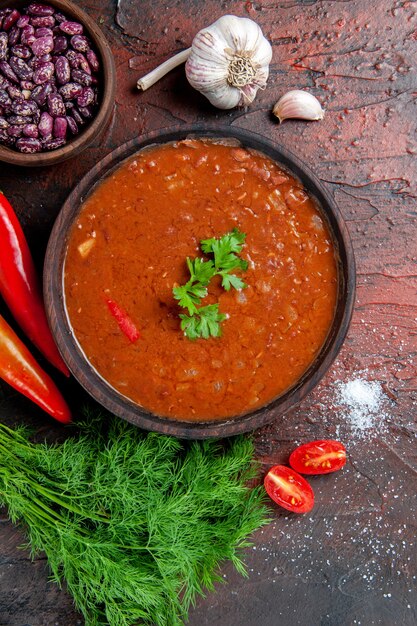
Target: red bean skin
x=71, y=28
x=46, y=124
x=28, y=145
x=62, y=70
x=60, y=127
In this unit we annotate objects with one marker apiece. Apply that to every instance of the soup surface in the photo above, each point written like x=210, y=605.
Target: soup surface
x=129, y=244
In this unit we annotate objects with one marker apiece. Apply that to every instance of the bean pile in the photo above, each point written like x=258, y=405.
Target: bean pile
x=48, y=78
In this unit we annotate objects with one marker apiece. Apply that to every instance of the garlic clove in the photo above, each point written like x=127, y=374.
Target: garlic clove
x=298, y=104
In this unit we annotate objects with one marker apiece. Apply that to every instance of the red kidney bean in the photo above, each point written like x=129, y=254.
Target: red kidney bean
x=83, y=63
x=23, y=21
x=60, y=17
x=27, y=85
x=21, y=51
x=71, y=28
x=28, y=145
x=60, y=44
x=5, y=139
x=42, y=45
x=86, y=112
x=28, y=35
x=36, y=62
x=73, y=58
x=4, y=40
x=39, y=9
x=15, y=131
x=43, y=73
x=60, y=127
x=93, y=60
x=53, y=144
x=72, y=125
x=4, y=82
x=20, y=68
x=40, y=93
x=24, y=107
x=14, y=92
x=18, y=120
x=77, y=116
x=80, y=43
x=46, y=124
x=56, y=106
x=79, y=76
x=5, y=100
x=71, y=91
x=14, y=35
x=62, y=70
x=7, y=71
x=86, y=98
x=43, y=32
x=30, y=130
x=10, y=19
x=3, y=122
x=39, y=22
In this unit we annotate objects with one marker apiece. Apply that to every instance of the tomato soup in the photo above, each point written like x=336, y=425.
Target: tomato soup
x=128, y=247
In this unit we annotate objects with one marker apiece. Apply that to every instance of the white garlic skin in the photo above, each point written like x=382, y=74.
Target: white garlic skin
x=221, y=47
x=298, y=104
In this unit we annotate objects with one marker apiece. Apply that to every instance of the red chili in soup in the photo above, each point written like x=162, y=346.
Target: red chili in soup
x=129, y=244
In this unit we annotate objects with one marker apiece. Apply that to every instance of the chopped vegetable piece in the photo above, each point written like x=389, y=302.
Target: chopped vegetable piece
x=289, y=489
x=318, y=457
x=86, y=246
x=19, y=286
x=126, y=325
x=20, y=370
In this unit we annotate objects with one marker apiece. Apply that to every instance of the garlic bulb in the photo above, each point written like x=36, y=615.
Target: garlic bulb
x=298, y=104
x=228, y=62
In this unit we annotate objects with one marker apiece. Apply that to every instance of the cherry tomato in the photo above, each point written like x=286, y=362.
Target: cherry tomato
x=318, y=457
x=289, y=489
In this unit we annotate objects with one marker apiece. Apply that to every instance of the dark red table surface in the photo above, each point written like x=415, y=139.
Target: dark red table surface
x=353, y=560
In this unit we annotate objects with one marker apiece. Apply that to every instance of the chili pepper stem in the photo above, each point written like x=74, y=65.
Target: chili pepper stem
x=159, y=72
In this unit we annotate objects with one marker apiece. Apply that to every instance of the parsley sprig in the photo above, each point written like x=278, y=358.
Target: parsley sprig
x=205, y=321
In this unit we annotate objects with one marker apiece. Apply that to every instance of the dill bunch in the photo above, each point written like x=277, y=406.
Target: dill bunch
x=135, y=524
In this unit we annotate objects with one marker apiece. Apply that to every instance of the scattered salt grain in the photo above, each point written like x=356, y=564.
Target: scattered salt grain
x=363, y=402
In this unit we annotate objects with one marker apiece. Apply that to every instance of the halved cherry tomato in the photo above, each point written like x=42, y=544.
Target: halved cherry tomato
x=289, y=489
x=318, y=457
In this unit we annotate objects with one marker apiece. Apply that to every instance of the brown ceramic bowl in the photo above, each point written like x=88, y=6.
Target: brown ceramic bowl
x=107, y=77
x=119, y=404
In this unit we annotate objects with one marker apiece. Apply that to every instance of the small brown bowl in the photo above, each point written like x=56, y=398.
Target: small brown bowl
x=107, y=77
x=115, y=401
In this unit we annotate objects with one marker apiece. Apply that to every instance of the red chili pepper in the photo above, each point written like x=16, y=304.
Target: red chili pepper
x=126, y=325
x=20, y=370
x=19, y=286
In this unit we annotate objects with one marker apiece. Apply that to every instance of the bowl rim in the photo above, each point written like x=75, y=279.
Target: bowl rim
x=125, y=408
x=101, y=120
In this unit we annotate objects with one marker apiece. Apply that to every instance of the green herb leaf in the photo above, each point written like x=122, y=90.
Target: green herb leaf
x=190, y=295
x=204, y=323
x=200, y=270
x=231, y=242
x=231, y=280
x=136, y=525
